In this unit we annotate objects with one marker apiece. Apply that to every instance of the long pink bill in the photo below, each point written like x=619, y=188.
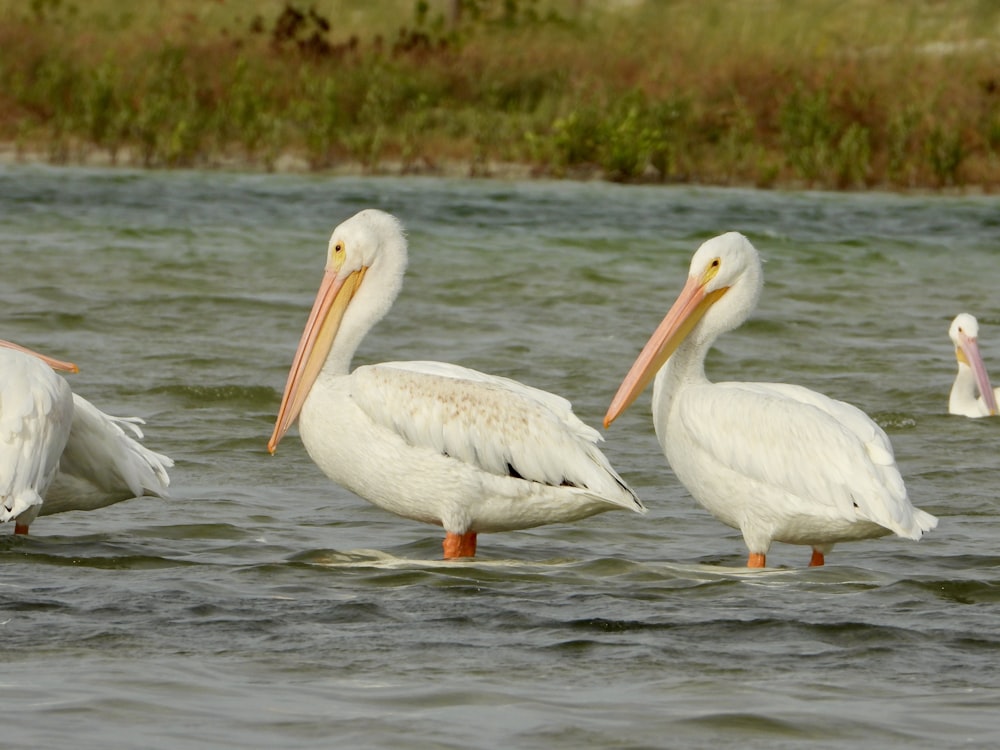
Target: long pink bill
x=334, y=293
x=970, y=348
x=55, y=364
x=684, y=314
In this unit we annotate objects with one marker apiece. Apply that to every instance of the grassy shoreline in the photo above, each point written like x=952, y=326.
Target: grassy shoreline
x=856, y=94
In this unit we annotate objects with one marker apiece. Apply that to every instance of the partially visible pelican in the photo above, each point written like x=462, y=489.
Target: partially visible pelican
x=430, y=441
x=59, y=452
x=778, y=462
x=971, y=394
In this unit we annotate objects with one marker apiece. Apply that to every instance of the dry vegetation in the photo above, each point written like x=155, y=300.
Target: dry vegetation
x=834, y=94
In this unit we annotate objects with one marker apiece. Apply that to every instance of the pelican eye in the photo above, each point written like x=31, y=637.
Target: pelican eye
x=712, y=271
x=338, y=255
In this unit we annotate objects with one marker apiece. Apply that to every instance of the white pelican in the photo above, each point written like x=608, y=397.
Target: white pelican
x=778, y=462
x=430, y=441
x=59, y=452
x=971, y=394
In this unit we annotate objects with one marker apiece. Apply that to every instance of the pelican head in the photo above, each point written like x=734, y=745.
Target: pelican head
x=964, y=333
x=370, y=245
x=723, y=286
x=55, y=364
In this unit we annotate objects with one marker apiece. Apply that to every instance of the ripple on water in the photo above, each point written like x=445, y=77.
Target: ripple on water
x=261, y=606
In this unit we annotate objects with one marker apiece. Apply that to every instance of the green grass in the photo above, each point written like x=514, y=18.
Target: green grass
x=849, y=94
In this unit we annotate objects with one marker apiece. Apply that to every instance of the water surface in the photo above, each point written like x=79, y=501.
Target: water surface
x=262, y=606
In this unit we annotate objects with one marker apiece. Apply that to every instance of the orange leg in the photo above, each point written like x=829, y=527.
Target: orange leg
x=816, y=559
x=756, y=560
x=20, y=528
x=459, y=545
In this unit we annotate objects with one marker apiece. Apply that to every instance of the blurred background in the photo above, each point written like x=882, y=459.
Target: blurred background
x=830, y=94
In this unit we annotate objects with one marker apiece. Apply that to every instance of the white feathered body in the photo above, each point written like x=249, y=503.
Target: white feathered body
x=104, y=463
x=36, y=413
x=447, y=445
x=965, y=400
x=58, y=452
x=781, y=462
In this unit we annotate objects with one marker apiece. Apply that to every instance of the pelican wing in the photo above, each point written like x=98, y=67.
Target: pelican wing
x=498, y=425
x=104, y=463
x=810, y=446
x=36, y=410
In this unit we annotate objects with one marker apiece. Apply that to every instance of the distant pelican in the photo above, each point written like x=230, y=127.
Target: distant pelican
x=430, y=441
x=59, y=452
x=778, y=462
x=971, y=394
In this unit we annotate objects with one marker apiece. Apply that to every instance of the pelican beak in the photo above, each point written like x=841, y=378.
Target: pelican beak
x=692, y=303
x=55, y=364
x=967, y=353
x=335, y=293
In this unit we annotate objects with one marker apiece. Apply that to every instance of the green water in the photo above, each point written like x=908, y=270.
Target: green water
x=262, y=606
